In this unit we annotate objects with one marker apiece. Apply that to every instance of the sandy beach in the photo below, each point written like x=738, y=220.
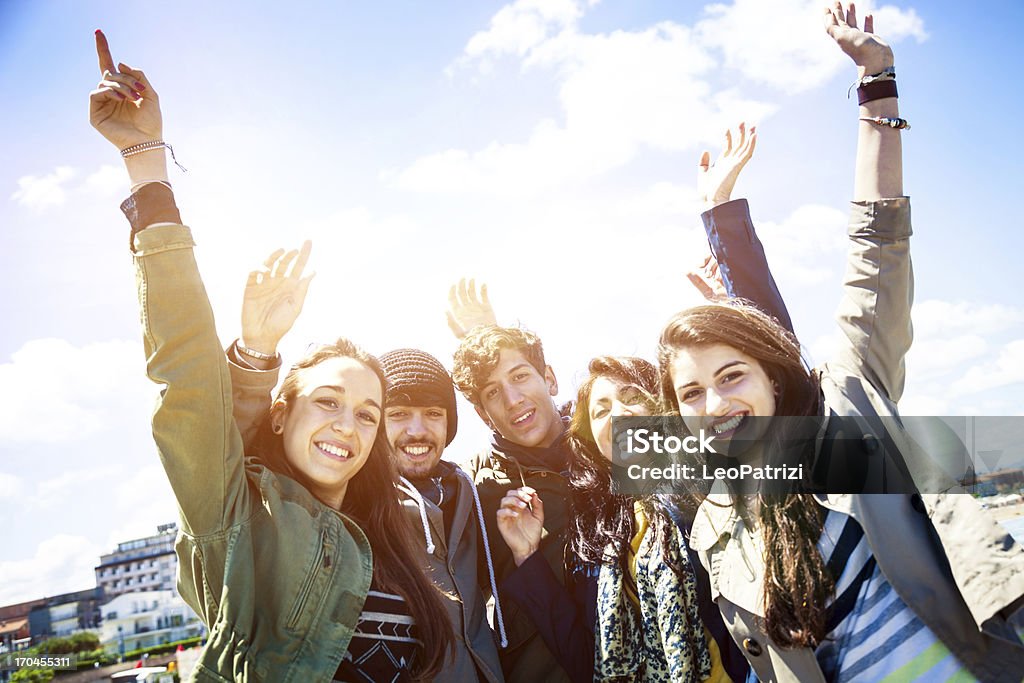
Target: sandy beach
x=1008, y=512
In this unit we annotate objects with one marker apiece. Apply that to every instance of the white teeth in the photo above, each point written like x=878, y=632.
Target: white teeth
x=731, y=423
x=334, y=450
x=416, y=450
x=520, y=419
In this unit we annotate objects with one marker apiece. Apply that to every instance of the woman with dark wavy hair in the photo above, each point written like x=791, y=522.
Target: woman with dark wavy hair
x=298, y=559
x=630, y=607
x=820, y=585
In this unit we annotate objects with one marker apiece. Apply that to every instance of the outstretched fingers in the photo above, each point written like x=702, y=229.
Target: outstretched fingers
x=301, y=260
x=272, y=259
x=140, y=82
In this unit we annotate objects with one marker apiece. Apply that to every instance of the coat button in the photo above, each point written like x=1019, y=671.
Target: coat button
x=752, y=647
x=870, y=443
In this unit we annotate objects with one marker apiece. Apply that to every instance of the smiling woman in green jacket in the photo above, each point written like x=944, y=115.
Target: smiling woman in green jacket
x=298, y=558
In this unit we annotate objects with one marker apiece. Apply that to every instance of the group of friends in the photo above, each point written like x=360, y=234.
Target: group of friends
x=325, y=537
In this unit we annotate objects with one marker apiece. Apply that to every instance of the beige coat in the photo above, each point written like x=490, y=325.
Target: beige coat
x=960, y=572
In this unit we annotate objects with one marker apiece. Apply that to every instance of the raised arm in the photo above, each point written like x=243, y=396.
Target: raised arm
x=273, y=299
x=468, y=308
x=739, y=261
x=874, y=313
x=192, y=425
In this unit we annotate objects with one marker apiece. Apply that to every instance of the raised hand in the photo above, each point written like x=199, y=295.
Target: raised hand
x=124, y=107
x=707, y=279
x=273, y=298
x=716, y=180
x=869, y=52
x=467, y=309
x=521, y=522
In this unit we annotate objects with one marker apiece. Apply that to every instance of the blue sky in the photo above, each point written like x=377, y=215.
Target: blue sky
x=547, y=147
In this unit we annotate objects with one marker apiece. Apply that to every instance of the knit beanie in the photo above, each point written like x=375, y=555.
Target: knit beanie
x=417, y=379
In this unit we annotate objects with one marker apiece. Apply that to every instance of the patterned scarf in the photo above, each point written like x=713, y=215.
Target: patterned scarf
x=663, y=639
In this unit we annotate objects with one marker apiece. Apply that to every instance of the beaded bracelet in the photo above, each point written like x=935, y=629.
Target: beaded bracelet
x=151, y=145
x=891, y=121
x=253, y=353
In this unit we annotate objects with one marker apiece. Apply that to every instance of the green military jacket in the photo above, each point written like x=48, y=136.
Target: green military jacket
x=278, y=578
x=451, y=564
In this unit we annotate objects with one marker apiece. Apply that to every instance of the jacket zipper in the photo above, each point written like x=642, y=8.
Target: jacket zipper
x=307, y=586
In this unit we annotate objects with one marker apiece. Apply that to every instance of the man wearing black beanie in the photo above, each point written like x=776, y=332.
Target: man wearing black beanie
x=421, y=420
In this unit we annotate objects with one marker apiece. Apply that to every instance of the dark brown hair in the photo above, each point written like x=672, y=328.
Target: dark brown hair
x=372, y=500
x=797, y=583
x=601, y=519
x=477, y=356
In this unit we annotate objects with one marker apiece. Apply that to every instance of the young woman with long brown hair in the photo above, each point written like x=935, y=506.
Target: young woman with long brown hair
x=820, y=586
x=298, y=558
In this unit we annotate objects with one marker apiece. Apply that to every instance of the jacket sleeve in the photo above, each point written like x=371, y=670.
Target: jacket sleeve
x=251, y=396
x=741, y=259
x=561, y=618
x=878, y=290
x=193, y=427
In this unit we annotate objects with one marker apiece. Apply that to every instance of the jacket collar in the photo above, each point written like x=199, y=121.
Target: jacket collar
x=716, y=518
x=554, y=458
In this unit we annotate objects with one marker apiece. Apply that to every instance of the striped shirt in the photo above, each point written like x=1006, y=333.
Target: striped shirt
x=872, y=634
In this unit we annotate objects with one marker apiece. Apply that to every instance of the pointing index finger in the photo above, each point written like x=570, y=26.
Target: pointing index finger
x=103, y=53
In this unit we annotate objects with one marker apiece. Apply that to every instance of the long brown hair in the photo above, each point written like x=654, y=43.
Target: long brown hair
x=797, y=583
x=372, y=500
x=602, y=519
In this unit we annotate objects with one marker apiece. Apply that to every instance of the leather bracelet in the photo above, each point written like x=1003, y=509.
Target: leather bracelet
x=253, y=353
x=151, y=203
x=877, y=90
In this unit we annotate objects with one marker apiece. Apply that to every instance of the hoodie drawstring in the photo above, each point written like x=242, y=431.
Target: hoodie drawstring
x=487, y=555
x=423, y=514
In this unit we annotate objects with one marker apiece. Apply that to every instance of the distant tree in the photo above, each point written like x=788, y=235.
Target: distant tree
x=56, y=646
x=85, y=641
x=32, y=676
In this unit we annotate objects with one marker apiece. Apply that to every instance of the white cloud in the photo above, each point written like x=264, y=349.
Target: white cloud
x=51, y=494
x=781, y=43
x=519, y=27
x=107, y=181
x=61, y=564
x=40, y=192
x=619, y=92
x=10, y=485
x=55, y=392
x=798, y=248
x=1004, y=370
x=934, y=317
x=932, y=355
x=658, y=87
x=920, y=403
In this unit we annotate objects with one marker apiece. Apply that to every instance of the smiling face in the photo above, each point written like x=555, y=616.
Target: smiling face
x=417, y=436
x=330, y=425
x=516, y=401
x=608, y=399
x=717, y=386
